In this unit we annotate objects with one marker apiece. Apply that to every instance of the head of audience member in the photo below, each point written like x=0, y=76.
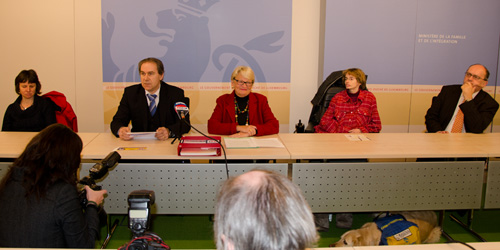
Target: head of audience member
x=354, y=80
x=27, y=84
x=477, y=75
x=151, y=71
x=242, y=80
x=52, y=155
x=263, y=210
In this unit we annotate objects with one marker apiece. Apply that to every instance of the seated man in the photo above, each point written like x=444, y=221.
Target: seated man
x=149, y=105
x=262, y=210
x=463, y=108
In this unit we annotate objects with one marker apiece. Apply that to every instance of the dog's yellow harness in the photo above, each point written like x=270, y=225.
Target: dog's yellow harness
x=396, y=230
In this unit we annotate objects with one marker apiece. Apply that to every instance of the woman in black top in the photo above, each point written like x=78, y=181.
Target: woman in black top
x=29, y=112
x=40, y=204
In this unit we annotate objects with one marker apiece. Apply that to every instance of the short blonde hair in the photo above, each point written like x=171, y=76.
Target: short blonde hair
x=245, y=71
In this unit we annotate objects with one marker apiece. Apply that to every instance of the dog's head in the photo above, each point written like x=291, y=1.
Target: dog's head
x=367, y=235
x=348, y=239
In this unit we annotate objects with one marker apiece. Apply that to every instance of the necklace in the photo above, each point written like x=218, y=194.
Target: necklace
x=238, y=111
x=24, y=108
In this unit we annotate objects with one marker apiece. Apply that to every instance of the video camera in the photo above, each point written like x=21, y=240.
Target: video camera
x=139, y=215
x=96, y=172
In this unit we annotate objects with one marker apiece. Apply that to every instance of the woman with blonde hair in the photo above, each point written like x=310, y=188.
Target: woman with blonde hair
x=242, y=113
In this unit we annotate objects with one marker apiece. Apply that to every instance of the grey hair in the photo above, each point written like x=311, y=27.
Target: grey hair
x=272, y=214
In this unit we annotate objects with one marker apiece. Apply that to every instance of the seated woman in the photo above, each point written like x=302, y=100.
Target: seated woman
x=353, y=110
x=40, y=204
x=30, y=111
x=242, y=113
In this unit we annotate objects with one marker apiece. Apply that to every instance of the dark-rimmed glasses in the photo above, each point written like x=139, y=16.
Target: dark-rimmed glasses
x=242, y=82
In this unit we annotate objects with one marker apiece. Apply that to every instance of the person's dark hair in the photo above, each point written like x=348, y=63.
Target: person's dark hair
x=358, y=74
x=29, y=76
x=487, y=75
x=52, y=155
x=158, y=62
x=268, y=213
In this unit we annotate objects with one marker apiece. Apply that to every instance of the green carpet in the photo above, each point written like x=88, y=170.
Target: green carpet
x=195, y=231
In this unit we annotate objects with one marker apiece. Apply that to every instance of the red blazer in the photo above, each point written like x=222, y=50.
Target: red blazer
x=223, y=121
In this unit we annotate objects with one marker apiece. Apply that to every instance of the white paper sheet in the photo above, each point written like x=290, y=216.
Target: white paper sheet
x=252, y=142
x=143, y=135
x=357, y=137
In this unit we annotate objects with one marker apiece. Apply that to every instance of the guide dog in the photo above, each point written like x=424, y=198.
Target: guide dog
x=370, y=235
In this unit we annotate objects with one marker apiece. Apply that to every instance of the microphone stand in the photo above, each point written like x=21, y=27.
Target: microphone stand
x=179, y=134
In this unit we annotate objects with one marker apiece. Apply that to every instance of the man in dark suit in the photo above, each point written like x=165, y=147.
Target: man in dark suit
x=463, y=108
x=149, y=105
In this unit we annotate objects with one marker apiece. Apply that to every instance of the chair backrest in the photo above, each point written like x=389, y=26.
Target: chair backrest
x=328, y=89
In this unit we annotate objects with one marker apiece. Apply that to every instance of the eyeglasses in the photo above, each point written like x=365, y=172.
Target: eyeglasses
x=467, y=74
x=242, y=82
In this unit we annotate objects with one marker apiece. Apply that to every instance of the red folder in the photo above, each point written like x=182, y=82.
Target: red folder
x=199, y=146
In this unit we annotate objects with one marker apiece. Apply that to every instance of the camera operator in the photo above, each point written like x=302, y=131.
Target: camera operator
x=40, y=206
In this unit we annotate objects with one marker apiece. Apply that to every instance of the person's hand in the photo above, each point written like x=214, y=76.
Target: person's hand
x=468, y=90
x=240, y=134
x=162, y=133
x=249, y=129
x=356, y=130
x=96, y=196
x=442, y=132
x=123, y=133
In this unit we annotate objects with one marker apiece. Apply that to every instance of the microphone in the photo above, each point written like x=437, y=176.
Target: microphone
x=181, y=109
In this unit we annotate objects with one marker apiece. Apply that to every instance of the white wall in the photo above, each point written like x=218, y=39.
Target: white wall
x=61, y=40
x=305, y=59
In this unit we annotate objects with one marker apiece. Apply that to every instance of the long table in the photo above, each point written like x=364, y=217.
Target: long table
x=12, y=144
x=179, y=188
x=297, y=146
x=103, y=143
x=334, y=186
x=400, y=185
x=391, y=145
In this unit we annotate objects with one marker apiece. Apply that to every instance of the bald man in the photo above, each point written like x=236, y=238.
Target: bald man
x=468, y=103
x=263, y=210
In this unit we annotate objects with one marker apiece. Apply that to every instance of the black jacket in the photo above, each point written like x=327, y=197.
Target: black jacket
x=54, y=221
x=478, y=113
x=134, y=107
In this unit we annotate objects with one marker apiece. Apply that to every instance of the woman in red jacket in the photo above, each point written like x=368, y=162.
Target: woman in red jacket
x=242, y=113
x=353, y=110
